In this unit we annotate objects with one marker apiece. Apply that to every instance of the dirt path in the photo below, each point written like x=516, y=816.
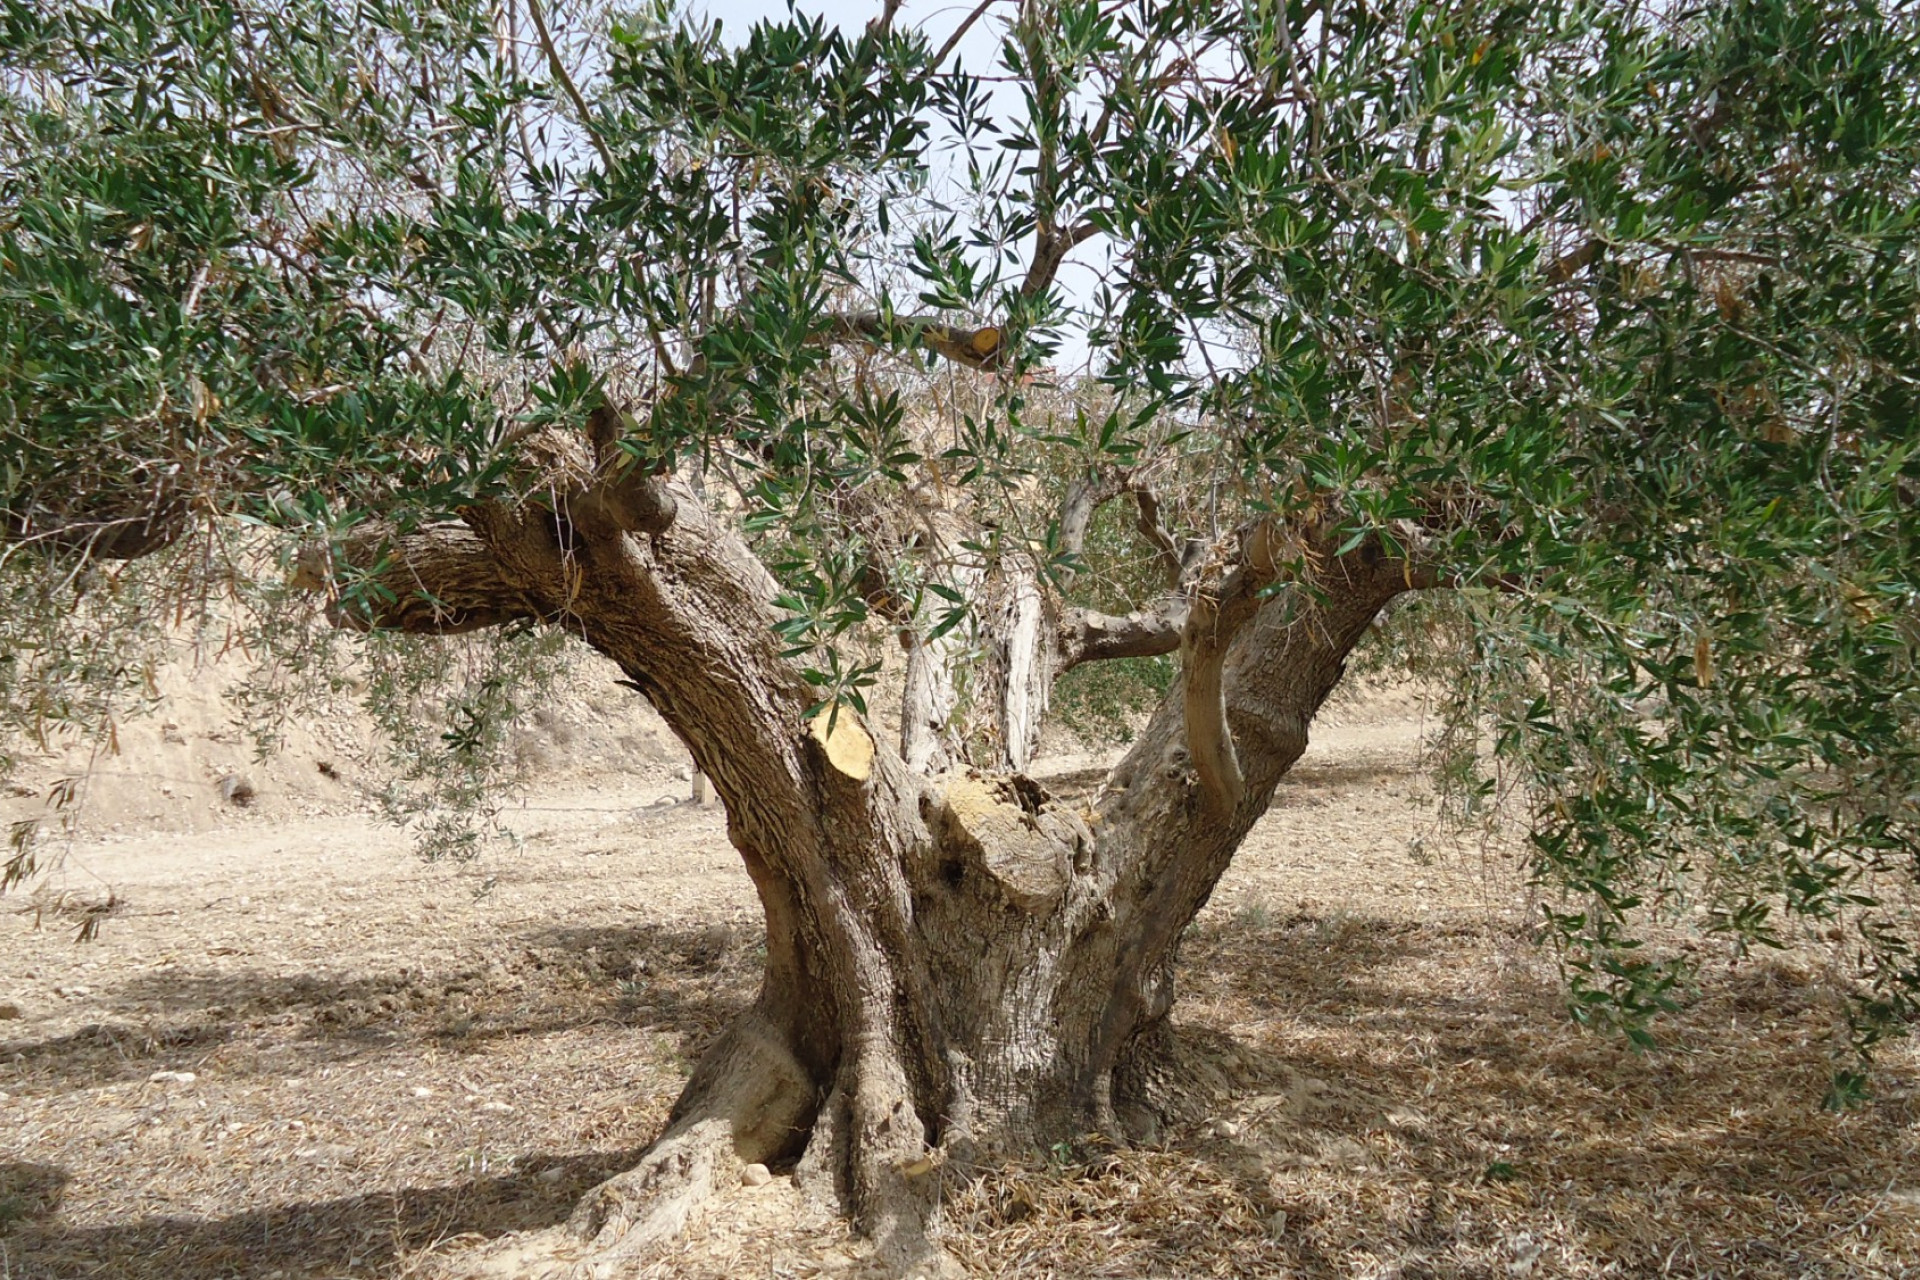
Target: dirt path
x=298, y=1052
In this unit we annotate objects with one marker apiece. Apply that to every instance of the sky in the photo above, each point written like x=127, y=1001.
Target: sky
x=937, y=17
x=978, y=51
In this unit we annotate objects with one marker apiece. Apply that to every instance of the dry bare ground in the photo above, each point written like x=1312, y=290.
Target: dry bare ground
x=297, y=1053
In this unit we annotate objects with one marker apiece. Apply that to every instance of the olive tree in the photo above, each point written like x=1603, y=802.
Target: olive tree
x=1596, y=320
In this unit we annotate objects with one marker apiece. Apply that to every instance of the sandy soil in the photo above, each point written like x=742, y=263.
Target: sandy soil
x=296, y=1051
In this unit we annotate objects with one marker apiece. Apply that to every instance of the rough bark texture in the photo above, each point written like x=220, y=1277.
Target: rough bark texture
x=956, y=963
x=1021, y=660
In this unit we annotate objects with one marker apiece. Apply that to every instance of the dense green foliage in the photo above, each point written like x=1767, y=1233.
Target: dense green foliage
x=1608, y=314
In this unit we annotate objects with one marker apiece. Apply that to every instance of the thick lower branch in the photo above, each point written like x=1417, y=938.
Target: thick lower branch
x=1088, y=635
x=1203, y=655
x=438, y=580
x=138, y=529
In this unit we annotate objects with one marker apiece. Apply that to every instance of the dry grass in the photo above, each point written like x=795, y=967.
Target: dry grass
x=1399, y=1102
x=351, y=1127
x=1382, y=1080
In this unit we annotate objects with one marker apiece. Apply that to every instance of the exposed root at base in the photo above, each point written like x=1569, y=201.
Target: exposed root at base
x=695, y=1212
x=654, y=1200
x=624, y=1218
x=868, y=1161
x=749, y=1101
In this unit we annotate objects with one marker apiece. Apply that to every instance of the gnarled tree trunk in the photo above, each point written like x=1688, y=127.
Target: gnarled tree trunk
x=957, y=963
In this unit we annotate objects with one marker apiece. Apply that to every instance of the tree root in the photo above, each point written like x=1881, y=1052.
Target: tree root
x=750, y=1100
x=868, y=1159
x=653, y=1201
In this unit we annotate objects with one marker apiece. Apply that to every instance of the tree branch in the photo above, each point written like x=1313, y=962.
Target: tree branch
x=882, y=25
x=1087, y=635
x=565, y=81
x=1050, y=250
x=623, y=497
x=982, y=348
x=1230, y=592
x=1570, y=264
x=1176, y=558
x=442, y=579
x=1083, y=499
x=130, y=537
x=959, y=33
x=1214, y=617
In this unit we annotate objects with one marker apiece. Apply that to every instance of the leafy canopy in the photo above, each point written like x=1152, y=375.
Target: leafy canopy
x=1605, y=314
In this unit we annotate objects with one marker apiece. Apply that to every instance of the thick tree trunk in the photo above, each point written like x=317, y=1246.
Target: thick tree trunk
x=957, y=964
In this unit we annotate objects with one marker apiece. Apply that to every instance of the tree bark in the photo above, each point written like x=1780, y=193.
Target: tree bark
x=957, y=963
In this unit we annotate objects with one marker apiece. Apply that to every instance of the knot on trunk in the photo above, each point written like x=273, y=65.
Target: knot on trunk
x=1000, y=827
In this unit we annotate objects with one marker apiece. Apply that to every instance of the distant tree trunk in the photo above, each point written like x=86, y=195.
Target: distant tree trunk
x=1021, y=660
x=956, y=965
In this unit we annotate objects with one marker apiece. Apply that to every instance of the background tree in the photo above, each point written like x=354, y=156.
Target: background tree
x=1601, y=317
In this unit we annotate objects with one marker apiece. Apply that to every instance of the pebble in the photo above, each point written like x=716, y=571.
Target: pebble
x=756, y=1175
x=421, y=1091
x=172, y=1077
x=551, y=1175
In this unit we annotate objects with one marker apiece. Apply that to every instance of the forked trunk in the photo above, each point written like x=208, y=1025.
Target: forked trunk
x=964, y=966
x=957, y=965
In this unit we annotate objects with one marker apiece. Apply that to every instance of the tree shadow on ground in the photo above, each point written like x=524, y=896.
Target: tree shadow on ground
x=1331, y=775
x=364, y=1235
x=1394, y=1104
x=688, y=981
x=1374, y=1096
x=29, y=1192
